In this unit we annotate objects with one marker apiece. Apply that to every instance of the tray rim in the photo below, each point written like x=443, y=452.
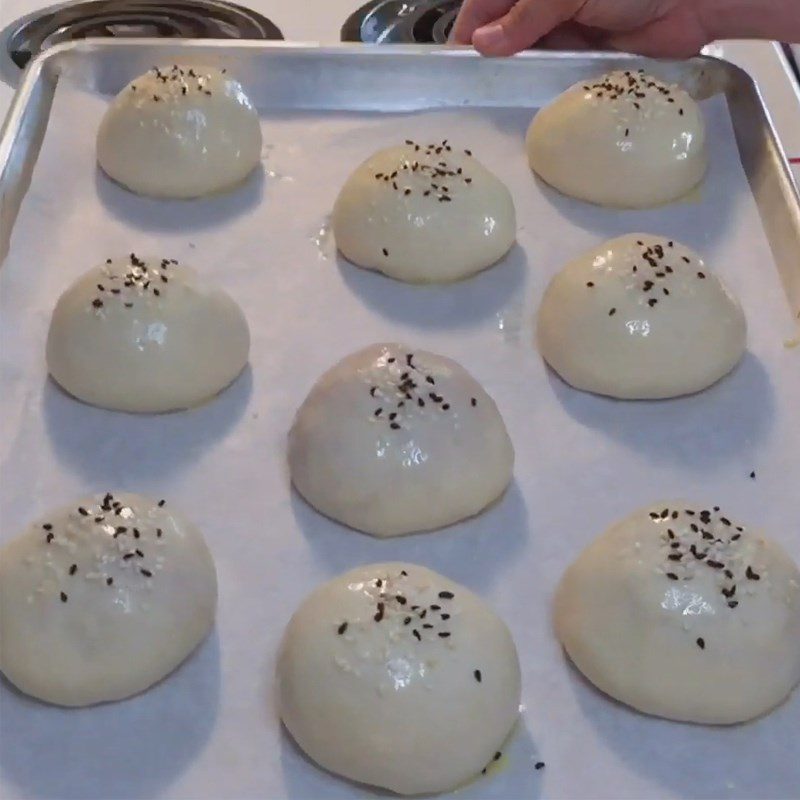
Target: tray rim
x=42, y=74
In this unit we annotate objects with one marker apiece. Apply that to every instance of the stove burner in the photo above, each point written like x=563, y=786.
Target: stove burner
x=398, y=22
x=181, y=19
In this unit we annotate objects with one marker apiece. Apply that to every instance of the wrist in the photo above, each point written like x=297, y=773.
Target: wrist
x=751, y=19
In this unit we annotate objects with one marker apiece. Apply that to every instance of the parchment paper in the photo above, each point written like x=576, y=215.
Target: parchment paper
x=211, y=730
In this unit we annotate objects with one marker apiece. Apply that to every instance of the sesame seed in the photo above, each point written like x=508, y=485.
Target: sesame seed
x=342, y=628
x=477, y=674
x=64, y=597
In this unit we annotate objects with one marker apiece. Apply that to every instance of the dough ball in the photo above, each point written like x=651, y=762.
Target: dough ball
x=393, y=440
x=394, y=676
x=683, y=613
x=424, y=214
x=640, y=317
x=180, y=132
x=625, y=140
x=101, y=600
x=145, y=335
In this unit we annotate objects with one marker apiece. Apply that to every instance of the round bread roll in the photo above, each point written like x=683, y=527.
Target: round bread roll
x=145, y=335
x=682, y=613
x=394, y=676
x=625, y=140
x=180, y=132
x=640, y=317
x=393, y=441
x=101, y=600
x=424, y=214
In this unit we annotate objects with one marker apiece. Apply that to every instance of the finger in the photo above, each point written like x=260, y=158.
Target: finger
x=571, y=36
x=659, y=40
x=526, y=23
x=474, y=14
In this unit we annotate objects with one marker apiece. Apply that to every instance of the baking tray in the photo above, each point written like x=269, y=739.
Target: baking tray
x=210, y=730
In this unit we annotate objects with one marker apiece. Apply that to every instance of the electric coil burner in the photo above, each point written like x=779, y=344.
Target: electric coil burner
x=398, y=22
x=182, y=19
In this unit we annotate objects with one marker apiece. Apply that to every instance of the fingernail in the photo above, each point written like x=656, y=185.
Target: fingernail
x=489, y=36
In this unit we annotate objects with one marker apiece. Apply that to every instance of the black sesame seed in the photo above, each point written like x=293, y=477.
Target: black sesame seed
x=497, y=756
x=477, y=674
x=444, y=634
x=342, y=628
x=446, y=595
x=64, y=597
x=612, y=311
x=146, y=573
x=701, y=643
x=73, y=569
x=417, y=635
x=109, y=581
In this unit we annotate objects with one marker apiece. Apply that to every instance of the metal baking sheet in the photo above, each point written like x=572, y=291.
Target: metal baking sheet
x=211, y=730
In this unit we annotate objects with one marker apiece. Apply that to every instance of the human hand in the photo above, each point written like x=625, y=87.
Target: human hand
x=667, y=28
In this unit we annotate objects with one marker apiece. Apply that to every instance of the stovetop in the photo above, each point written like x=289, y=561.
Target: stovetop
x=398, y=22
x=198, y=19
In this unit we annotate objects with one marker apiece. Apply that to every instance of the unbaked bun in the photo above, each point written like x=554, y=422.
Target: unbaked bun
x=680, y=612
x=626, y=140
x=145, y=335
x=640, y=317
x=424, y=214
x=180, y=132
x=393, y=440
x=101, y=600
x=394, y=676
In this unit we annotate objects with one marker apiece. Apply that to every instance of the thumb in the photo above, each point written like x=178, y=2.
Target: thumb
x=526, y=23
